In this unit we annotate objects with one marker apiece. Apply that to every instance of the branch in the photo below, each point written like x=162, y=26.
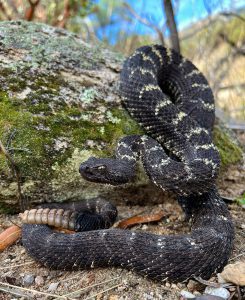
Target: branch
x=29, y=14
x=4, y=11
x=195, y=31
x=233, y=86
x=213, y=20
x=231, y=43
x=145, y=22
x=228, y=14
x=66, y=14
x=169, y=12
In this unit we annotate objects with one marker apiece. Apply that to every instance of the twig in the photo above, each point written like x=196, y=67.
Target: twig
x=104, y=291
x=66, y=14
x=233, y=86
x=145, y=22
x=231, y=43
x=9, y=291
x=19, y=265
x=236, y=126
x=91, y=286
x=34, y=291
x=197, y=30
x=71, y=278
x=228, y=14
x=206, y=282
x=241, y=254
x=29, y=14
x=4, y=11
x=239, y=293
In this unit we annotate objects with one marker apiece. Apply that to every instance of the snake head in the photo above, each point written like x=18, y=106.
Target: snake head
x=106, y=170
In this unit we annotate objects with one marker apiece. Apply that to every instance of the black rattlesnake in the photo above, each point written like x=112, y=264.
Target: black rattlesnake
x=173, y=102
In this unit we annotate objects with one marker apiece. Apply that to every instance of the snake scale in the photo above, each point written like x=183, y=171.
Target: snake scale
x=172, y=101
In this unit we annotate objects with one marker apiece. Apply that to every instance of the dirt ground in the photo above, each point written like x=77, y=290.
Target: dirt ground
x=17, y=269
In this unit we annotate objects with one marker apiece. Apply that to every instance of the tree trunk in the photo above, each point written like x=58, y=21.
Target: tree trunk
x=174, y=37
x=59, y=105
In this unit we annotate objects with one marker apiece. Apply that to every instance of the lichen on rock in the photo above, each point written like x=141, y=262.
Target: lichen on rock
x=59, y=104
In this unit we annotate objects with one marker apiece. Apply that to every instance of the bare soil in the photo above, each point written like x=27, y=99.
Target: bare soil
x=115, y=284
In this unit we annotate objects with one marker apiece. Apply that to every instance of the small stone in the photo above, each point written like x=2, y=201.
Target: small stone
x=53, y=286
x=187, y=295
x=220, y=292
x=174, y=286
x=39, y=280
x=234, y=273
x=193, y=285
x=28, y=280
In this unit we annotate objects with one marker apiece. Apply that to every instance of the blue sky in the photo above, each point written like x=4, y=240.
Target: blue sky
x=187, y=12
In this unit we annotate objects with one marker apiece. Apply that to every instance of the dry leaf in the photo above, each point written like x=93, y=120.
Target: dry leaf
x=9, y=236
x=234, y=273
x=140, y=220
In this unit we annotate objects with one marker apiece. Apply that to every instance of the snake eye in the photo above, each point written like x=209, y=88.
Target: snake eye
x=100, y=167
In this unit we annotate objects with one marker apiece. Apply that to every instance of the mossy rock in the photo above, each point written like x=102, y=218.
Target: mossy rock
x=59, y=104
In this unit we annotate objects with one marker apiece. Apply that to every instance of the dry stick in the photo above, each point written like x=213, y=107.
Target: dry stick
x=30, y=12
x=8, y=291
x=71, y=278
x=102, y=292
x=91, y=286
x=16, y=172
x=35, y=292
x=146, y=22
x=19, y=265
x=241, y=254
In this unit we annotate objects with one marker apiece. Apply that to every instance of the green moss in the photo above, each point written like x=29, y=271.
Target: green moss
x=229, y=150
x=241, y=200
x=8, y=209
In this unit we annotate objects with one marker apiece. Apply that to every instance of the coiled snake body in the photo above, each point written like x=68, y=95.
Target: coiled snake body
x=173, y=103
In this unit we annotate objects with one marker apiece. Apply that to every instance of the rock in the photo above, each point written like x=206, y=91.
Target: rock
x=53, y=286
x=187, y=295
x=193, y=285
x=234, y=273
x=220, y=292
x=28, y=280
x=39, y=280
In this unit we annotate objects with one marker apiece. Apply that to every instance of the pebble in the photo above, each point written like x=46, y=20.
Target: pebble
x=53, y=286
x=23, y=251
x=192, y=285
x=220, y=292
x=187, y=295
x=39, y=280
x=28, y=280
